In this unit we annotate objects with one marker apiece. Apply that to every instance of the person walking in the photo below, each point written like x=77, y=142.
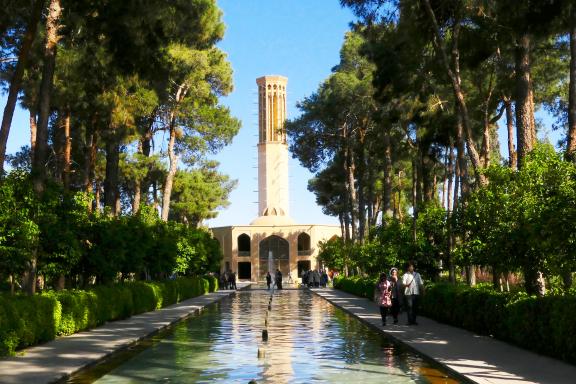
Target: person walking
x=413, y=286
x=232, y=281
x=278, y=279
x=305, y=277
x=268, y=279
x=384, y=288
x=395, y=294
x=316, y=278
x=290, y=281
x=324, y=279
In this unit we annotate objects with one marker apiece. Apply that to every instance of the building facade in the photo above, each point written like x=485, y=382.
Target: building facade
x=273, y=240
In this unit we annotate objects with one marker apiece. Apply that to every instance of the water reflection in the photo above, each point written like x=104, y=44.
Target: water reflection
x=310, y=341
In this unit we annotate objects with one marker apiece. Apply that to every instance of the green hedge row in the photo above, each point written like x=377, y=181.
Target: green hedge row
x=545, y=325
x=359, y=286
x=29, y=320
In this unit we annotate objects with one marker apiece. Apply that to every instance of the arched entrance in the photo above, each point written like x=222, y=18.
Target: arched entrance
x=274, y=253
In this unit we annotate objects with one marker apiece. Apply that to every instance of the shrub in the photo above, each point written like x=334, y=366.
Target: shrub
x=212, y=283
x=545, y=325
x=29, y=320
x=26, y=321
x=359, y=286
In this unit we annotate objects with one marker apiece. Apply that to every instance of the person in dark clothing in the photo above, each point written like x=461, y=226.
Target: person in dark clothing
x=224, y=281
x=278, y=279
x=305, y=279
x=268, y=279
x=324, y=279
x=395, y=294
x=232, y=281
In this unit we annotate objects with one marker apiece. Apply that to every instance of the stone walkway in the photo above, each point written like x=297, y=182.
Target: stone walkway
x=64, y=356
x=478, y=358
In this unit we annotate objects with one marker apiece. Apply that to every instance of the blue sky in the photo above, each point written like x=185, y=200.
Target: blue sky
x=299, y=39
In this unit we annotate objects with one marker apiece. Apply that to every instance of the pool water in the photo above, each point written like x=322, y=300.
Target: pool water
x=309, y=341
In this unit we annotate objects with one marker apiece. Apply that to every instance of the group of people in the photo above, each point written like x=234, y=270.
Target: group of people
x=392, y=291
x=314, y=278
x=227, y=280
x=277, y=279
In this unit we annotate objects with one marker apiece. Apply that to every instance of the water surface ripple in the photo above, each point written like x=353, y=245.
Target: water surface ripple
x=310, y=341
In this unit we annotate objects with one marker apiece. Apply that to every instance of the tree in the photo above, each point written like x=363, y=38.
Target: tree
x=196, y=79
x=16, y=78
x=198, y=193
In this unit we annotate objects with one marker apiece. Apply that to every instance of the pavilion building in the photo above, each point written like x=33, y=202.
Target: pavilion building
x=273, y=240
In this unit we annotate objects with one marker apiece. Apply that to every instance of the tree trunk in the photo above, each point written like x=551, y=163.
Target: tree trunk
x=155, y=201
x=171, y=171
x=67, y=159
x=33, y=129
x=350, y=170
x=137, y=186
x=112, y=172
x=370, y=197
x=419, y=179
x=454, y=75
x=90, y=152
x=30, y=275
x=486, y=134
x=449, y=206
x=496, y=280
x=16, y=80
x=444, y=195
x=525, y=124
x=60, y=283
x=137, y=196
x=571, y=147
x=146, y=147
x=346, y=223
x=166, y=196
x=471, y=275
x=387, y=187
x=456, y=186
x=414, y=198
x=41, y=153
x=450, y=177
x=97, y=197
x=428, y=193
x=567, y=280
x=463, y=164
x=510, y=126
x=486, y=142
x=361, y=196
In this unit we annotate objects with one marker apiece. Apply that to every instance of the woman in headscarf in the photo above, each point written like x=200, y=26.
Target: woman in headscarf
x=384, y=300
x=395, y=294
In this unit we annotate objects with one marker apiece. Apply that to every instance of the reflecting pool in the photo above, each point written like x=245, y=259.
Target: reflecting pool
x=310, y=341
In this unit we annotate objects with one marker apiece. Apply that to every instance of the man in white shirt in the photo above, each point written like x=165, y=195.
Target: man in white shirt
x=413, y=286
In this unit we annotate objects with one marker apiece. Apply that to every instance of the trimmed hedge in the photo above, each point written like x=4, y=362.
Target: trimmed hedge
x=29, y=320
x=359, y=286
x=26, y=321
x=545, y=325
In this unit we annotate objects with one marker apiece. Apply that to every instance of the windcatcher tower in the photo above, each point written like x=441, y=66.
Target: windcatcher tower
x=272, y=152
